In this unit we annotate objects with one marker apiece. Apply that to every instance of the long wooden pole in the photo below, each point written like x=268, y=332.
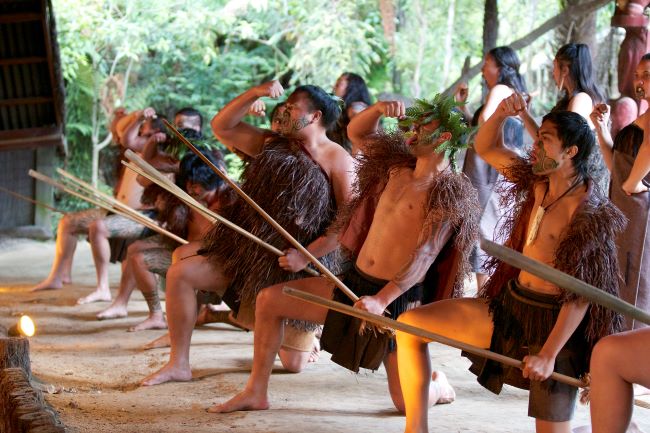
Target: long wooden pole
x=36, y=202
x=326, y=272
x=565, y=281
x=104, y=205
x=113, y=202
x=419, y=332
x=144, y=169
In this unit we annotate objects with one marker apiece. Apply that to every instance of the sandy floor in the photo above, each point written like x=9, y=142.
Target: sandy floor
x=94, y=367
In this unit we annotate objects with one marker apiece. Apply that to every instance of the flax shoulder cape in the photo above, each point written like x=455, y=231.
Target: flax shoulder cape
x=485, y=179
x=294, y=191
x=634, y=243
x=587, y=248
x=451, y=198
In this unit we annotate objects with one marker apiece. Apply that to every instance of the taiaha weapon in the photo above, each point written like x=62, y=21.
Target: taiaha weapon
x=326, y=272
x=141, y=167
x=115, y=205
x=130, y=213
x=563, y=280
x=422, y=333
x=36, y=202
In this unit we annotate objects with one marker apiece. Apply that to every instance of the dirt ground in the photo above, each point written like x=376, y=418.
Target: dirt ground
x=93, y=369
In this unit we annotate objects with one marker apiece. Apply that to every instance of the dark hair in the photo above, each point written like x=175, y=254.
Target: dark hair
x=190, y=112
x=508, y=62
x=193, y=169
x=157, y=123
x=645, y=57
x=578, y=58
x=356, y=89
x=276, y=108
x=573, y=130
x=322, y=101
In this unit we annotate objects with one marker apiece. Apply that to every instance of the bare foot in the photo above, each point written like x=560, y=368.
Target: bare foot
x=159, y=342
x=169, y=373
x=155, y=321
x=48, y=284
x=207, y=315
x=98, y=295
x=245, y=400
x=113, y=312
x=446, y=393
x=315, y=351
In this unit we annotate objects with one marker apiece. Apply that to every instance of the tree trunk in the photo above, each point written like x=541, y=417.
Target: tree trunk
x=14, y=352
x=490, y=25
x=580, y=30
x=561, y=18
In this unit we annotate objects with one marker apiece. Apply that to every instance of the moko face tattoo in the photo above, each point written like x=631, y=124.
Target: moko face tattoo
x=289, y=126
x=543, y=162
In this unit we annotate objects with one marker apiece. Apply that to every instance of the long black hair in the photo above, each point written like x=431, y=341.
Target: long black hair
x=320, y=100
x=356, y=89
x=578, y=58
x=573, y=130
x=508, y=62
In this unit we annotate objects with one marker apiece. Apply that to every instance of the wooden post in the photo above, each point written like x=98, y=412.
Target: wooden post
x=14, y=352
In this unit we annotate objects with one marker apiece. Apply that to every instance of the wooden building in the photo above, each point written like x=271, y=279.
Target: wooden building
x=31, y=109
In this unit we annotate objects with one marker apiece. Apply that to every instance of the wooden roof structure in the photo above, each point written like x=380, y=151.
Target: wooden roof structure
x=31, y=86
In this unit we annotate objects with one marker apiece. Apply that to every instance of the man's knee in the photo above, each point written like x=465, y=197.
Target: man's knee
x=97, y=229
x=604, y=351
x=293, y=361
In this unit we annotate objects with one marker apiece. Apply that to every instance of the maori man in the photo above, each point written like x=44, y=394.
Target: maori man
x=299, y=178
x=560, y=218
x=409, y=207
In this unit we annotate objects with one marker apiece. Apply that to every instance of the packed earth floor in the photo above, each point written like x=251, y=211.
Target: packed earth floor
x=90, y=371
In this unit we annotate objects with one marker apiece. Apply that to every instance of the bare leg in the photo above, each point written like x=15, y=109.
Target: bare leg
x=440, y=391
x=146, y=282
x=294, y=360
x=66, y=243
x=617, y=362
x=552, y=427
x=162, y=341
x=118, y=308
x=272, y=307
x=98, y=236
x=183, y=279
x=464, y=319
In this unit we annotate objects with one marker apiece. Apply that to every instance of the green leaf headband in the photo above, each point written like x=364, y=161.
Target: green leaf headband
x=451, y=120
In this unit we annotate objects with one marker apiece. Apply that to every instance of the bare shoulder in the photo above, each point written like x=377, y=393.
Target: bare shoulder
x=581, y=102
x=500, y=91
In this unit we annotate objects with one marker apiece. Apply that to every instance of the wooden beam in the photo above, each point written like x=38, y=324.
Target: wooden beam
x=19, y=18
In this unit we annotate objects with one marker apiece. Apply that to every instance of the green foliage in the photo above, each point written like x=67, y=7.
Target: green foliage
x=201, y=53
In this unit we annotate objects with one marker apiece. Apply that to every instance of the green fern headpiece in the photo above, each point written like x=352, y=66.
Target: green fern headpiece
x=451, y=120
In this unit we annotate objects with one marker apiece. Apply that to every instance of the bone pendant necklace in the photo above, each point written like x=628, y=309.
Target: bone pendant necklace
x=541, y=210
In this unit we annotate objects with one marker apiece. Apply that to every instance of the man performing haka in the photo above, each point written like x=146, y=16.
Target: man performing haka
x=408, y=208
x=300, y=178
x=560, y=218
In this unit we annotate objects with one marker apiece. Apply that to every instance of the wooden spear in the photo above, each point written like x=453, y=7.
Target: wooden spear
x=146, y=170
x=104, y=205
x=419, y=332
x=36, y=202
x=565, y=281
x=326, y=272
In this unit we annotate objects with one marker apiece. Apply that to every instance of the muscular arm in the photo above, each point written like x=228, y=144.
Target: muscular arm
x=131, y=139
x=227, y=124
x=487, y=143
x=540, y=366
x=365, y=125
